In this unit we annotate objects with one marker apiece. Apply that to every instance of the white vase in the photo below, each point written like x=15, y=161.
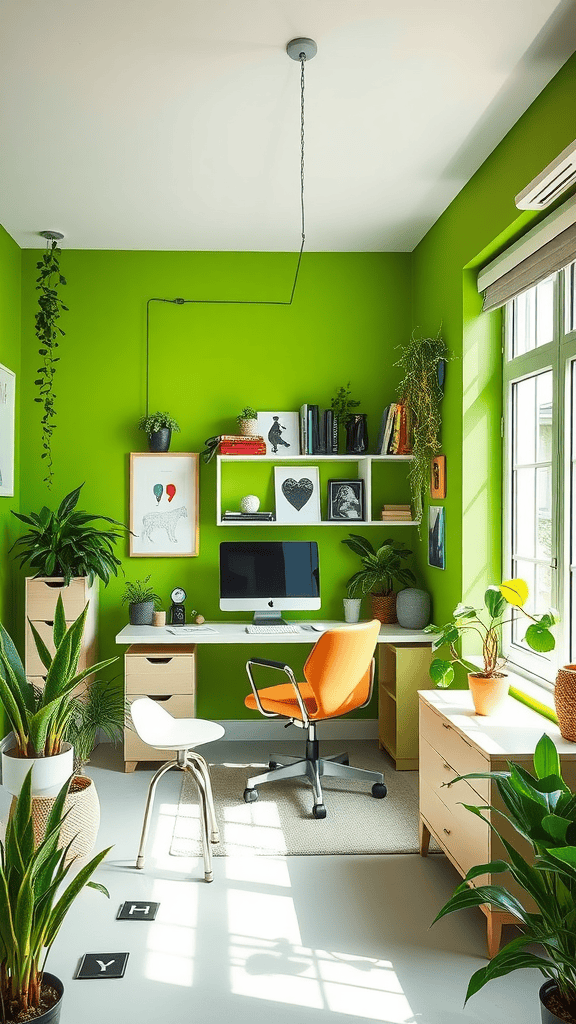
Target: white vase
x=352, y=609
x=48, y=773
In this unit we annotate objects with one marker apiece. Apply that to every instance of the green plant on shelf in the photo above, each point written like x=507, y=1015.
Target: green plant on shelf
x=140, y=592
x=381, y=567
x=248, y=413
x=156, y=421
x=342, y=404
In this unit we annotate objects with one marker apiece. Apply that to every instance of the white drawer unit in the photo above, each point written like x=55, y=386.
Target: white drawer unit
x=164, y=673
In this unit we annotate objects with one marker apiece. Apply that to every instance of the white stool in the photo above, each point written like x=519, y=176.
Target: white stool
x=156, y=727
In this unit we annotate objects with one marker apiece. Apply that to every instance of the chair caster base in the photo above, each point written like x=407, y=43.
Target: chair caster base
x=379, y=790
x=140, y=862
x=250, y=796
x=319, y=811
x=272, y=765
x=215, y=837
x=208, y=876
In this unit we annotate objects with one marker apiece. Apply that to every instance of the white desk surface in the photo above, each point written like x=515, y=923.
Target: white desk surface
x=235, y=633
x=513, y=731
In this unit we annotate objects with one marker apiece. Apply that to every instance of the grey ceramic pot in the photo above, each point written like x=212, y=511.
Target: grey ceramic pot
x=142, y=613
x=159, y=440
x=547, y=1016
x=413, y=608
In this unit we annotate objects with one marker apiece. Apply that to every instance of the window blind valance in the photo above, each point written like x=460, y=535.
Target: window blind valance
x=550, y=258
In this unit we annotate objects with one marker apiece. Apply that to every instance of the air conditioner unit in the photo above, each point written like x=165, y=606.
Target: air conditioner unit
x=551, y=182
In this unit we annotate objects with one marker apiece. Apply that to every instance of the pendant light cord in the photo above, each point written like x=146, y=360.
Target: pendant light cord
x=243, y=302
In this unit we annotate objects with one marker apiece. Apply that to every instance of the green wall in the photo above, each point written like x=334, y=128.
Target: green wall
x=478, y=224
x=351, y=312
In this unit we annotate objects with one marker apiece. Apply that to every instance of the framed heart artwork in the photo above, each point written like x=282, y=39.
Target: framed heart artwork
x=297, y=490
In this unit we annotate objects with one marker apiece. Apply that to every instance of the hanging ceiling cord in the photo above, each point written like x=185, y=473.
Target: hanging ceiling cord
x=243, y=302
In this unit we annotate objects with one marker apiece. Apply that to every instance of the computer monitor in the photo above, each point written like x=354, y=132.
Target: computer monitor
x=268, y=578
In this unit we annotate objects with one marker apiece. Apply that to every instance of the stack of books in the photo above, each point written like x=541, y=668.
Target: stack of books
x=318, y=431
x=232, y=444
x=251, y=517
x=395, y=431
x=397, y=513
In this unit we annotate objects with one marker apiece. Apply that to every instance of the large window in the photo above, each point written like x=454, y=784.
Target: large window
x=540, y=462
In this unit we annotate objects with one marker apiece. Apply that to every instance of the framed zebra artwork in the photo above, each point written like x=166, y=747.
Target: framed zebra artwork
x=164, y=504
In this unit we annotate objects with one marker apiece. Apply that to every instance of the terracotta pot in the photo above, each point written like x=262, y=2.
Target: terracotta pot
x=488, y=694
x=565, y=701
x=384, y=607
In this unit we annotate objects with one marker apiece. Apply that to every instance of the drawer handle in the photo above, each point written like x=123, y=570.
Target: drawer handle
x=54, y=586
x=447, y=831
x=159, y=696
x=159, y=661
x=48, y=622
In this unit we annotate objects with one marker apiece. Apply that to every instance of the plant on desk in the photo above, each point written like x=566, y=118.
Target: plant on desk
x=489, y=687
x=141, y=601
x=542, y=809
x=381, y=569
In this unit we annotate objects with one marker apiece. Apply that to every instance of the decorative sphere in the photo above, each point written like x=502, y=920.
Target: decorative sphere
x=199, y=619
x=250, y=503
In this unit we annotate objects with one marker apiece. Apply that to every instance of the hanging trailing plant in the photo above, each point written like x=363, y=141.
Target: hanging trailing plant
x=421, y=390
x=47, y=332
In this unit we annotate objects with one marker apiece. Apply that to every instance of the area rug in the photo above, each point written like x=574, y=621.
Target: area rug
x=280, y=822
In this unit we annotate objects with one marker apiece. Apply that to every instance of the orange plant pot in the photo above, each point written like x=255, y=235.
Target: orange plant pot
x=384, y=607
x=488, y=694
x=565, y=701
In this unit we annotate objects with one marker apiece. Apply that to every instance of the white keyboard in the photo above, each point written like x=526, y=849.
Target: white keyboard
x=280, y=628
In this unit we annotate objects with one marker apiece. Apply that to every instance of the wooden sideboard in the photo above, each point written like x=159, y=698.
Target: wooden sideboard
x=41, y=597
x=454, y=741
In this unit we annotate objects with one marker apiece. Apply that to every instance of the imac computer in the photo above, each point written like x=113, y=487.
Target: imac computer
x=269, y=578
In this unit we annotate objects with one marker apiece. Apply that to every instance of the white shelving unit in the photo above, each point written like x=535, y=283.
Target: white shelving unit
x=363, y=464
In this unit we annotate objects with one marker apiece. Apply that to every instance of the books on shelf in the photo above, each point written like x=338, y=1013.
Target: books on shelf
x=232, y=444
x=396, y=513
x=253, y=517
x=395, y=431
x=318, y=431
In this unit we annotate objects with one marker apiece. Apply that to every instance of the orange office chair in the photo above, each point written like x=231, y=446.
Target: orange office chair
x=339, y=677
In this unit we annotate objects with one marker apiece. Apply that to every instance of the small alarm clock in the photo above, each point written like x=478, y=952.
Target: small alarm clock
x=177, y=610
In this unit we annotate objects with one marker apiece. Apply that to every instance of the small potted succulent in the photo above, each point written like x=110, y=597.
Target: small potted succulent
x=381, y=569
x=159, y=427
x=248, y=422
x=489, y=685
x=141, y=600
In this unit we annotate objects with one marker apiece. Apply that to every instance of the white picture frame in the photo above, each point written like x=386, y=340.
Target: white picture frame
x=281, y=432
x=164, y=504
x=437, y=536
x=7, y=427
x=297, y=494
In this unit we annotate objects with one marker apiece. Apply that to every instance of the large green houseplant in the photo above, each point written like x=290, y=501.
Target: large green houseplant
x=65, y=544
x=488, y=684
x=542, y=809
x=381, y=569
x=33, y=907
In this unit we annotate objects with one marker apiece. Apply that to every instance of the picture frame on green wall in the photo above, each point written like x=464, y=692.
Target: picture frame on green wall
x=437, y=536
x=164, y=504
x=7, y=427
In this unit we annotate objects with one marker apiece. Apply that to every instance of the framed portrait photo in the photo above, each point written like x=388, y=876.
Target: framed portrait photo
x=7, y=410
x=297, y=492
x=346, y=500
x=164, y=504
x=281, y=432
x=437, y=536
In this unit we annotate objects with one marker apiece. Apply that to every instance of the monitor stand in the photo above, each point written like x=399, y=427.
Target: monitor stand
x=268, y=619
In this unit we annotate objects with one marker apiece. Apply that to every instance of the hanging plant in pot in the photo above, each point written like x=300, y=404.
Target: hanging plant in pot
x=47, y=331
x=381, y=569
x=489, y=685
x=159, y=428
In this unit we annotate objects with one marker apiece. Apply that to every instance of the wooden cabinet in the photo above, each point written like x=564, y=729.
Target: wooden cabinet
x=41, y=596
x=402, y=671
x=164, y=673
x=454, y=741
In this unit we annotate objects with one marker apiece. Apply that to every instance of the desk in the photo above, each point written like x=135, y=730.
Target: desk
x=403, y=659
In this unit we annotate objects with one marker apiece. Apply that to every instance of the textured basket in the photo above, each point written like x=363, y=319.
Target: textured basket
x=81, y=824
x=384, y=607
x=565, y=701
x=248, y=428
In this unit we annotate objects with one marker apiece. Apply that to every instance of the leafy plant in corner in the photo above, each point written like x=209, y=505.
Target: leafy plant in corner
x=139, y=592
x=421, y=392
x=47, y=331
x=381, y=568
x=342, y=405
x=62, y=543
x=157, y=421
x=542, y=809
x=248, y=413
x=33, y=905
x=101, y=708
x=466, y=620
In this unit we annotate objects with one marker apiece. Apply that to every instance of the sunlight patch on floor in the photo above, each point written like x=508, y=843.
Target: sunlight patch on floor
x=172, y=936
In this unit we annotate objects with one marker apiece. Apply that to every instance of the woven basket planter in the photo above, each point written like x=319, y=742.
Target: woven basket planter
x=384, y=607
x=81, y=824
x=565, y=701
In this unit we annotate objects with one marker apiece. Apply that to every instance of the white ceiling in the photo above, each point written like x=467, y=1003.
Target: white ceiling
x=174, y=124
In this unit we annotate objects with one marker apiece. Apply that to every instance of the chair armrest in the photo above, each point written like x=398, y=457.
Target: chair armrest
x=282, y=667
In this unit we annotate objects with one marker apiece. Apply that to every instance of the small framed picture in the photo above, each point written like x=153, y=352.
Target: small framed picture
x=345, y=500
x=437, y=536
x=297, y=490
x=7, y=407
x=163, y=504
x=281, y=432
x=438, y=477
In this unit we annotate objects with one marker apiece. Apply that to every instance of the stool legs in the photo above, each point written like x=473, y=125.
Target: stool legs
x=202, y=766
x=198, y=777
x=146, y=824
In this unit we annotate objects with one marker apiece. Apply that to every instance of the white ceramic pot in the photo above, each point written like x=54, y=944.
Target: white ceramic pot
x=48, y=773
x=352, y=609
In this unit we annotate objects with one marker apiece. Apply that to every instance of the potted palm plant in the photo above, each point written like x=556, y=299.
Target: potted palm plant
x=141, y=601
x=488, y=685
x=38, y=718
x=158, y=427
x=542, y=809
x=32, y=910
x=381, y=569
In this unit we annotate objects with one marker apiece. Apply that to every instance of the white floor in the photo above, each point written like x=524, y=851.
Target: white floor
x=295, y=940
